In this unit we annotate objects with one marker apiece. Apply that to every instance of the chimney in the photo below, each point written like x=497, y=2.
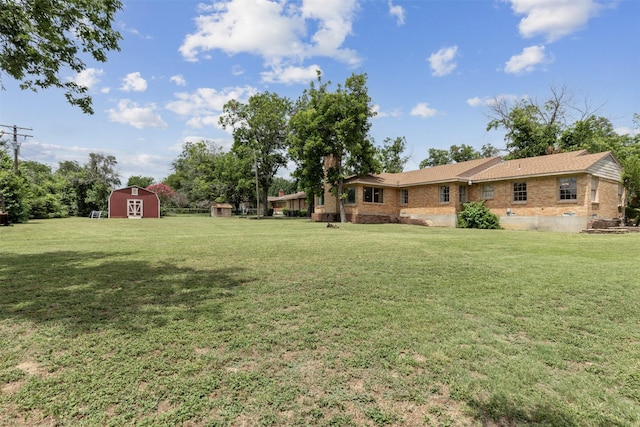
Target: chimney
x=280, y=193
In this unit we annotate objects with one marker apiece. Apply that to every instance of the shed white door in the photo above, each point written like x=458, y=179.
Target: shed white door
x=134, y=208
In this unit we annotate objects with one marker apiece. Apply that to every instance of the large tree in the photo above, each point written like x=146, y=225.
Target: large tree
x=195, y=171
x=39, y=40
x=330, y=136
x=533, y=128
x=140, y=181
x=390, y=155
x=260, y=125
x=91, y=183
x=436, y=157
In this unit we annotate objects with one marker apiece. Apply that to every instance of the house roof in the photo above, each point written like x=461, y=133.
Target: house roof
x=443, y=173
x=554, y=164
x=492, y=169
x=298, y=195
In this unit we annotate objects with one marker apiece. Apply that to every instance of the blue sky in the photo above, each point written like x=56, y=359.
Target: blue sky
x=433, y=67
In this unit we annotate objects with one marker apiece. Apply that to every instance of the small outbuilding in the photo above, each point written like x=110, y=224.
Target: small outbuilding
x=221, y=210
x=134, y=202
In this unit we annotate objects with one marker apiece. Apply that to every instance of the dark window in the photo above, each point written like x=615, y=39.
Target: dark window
x=444, y=194
x=568, y=189
x=462, y=196
x=351, y=195
x=404, y=197
x=372, y=195
x=520, y=192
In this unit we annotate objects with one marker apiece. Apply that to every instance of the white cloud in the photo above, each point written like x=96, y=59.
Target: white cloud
x=423, y=110
x=443, y=61
x=382, y=114
x=291, y=75
x=130, y=113
x=527, y=61
x=179, y=80
x=397, y=12
x=204, y=106
x=133, y=82
x=553, y=19
x=492, y=100
x=274, y=29
x=89, y=77
x=476, y=101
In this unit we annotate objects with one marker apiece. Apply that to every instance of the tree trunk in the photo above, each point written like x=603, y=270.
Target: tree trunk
x=265, y=203
x=343, y=216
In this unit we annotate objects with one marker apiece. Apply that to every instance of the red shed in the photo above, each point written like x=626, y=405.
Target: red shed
x=134, y=202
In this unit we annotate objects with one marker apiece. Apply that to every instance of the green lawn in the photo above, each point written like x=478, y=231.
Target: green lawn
x=238, y=322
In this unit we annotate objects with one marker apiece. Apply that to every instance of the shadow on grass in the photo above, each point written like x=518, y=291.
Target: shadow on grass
x=500, y=411
x=90, y=291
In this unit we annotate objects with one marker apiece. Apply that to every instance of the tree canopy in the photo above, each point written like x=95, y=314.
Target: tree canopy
x=535, y=129
x=330, y=136
x=40, y=39
x=390, y=155
x=457, y=154
x=261, y=125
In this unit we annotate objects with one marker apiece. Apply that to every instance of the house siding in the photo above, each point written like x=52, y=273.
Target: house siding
x=542, y=209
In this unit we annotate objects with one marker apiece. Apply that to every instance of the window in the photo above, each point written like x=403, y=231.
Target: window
x=404, y=197
x=487, y=191
x=320, y=200
x=520, y=192
x=462, y=194
x=568, y=189
x=351, y=195
x=373, y=195
x=134, y=191
x=594, y=188
x=444, y=194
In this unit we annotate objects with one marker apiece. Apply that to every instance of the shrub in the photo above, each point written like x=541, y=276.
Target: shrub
x=477, y=215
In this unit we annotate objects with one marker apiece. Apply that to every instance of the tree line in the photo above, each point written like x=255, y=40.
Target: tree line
x=325, y=133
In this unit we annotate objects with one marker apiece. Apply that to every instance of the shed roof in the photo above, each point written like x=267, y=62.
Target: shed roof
x=222, y=205
x=134, y=186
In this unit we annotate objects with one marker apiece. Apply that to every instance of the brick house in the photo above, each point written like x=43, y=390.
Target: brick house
x=558, y=192
x=292, y=202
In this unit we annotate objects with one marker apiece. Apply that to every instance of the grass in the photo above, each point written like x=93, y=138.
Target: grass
x=237, y=322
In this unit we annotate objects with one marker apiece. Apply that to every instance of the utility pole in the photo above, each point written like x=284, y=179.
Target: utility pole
x=15, y=144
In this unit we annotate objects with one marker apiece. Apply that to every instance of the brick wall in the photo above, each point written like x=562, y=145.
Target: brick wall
x=543, y=198
x=424, y=202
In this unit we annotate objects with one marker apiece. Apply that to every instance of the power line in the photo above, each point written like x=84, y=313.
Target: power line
x=15, y=144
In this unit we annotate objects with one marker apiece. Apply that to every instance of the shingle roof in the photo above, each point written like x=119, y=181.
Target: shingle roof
x=554, y=164
x=488, y=169
x=444, y=173
x=298, y=195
